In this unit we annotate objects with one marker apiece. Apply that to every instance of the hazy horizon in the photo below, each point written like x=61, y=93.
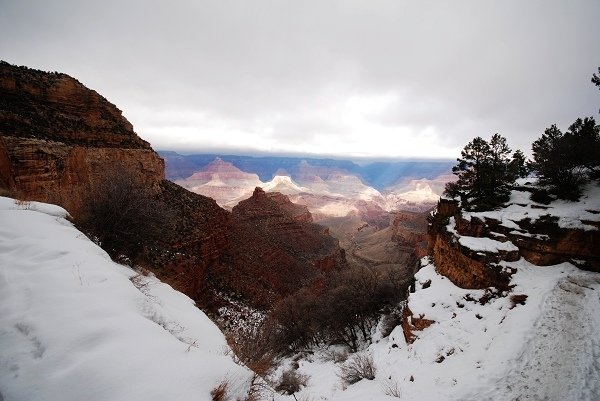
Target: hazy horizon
x=258, y=154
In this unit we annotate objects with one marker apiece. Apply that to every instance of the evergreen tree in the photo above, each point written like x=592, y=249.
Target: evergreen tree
x=498, y=178
x=596, y=79
x=471, y=170
x=485, y=173
x=585, y=135
x=566, y=161
x=518, y=164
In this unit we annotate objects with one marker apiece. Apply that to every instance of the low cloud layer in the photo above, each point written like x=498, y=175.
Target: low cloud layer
x=351, y=78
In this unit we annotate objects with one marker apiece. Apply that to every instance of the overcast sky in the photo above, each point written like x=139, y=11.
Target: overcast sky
x=348, y=78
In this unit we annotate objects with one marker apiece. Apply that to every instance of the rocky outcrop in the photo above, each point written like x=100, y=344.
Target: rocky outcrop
x=452, y=261
x=57, y=107
x=541, y=241
x=55, y=172
x=464, y=267
x=275, y=243
x=57, y=138
x=411, y=323
x=410, y=232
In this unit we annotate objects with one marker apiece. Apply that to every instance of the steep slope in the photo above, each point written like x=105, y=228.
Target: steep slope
x=77, y=326
x=501, y=350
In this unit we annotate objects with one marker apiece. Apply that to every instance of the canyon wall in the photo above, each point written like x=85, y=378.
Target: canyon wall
x=57, y=138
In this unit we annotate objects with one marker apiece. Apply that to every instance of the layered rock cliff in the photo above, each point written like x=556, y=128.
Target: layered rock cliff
x=541, y=234
x=58, y=137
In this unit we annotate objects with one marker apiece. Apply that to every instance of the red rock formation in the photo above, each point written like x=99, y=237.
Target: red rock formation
x=411, y=323
x=540, y=243
x=452, y=261
x=56, y=107
x=410, y=232
x=465, y=268
x=275, y=243
x=58, y=137
x=193, y=252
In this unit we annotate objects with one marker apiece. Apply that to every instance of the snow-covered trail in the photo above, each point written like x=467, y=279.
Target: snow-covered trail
x=561, y=357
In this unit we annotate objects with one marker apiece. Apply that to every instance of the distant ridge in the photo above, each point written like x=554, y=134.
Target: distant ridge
x=379, y=175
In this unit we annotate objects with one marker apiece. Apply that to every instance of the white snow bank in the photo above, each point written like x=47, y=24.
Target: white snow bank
x=73, y=326
x=46, y=208
x=569, y=214
x=480, y=244
x=485, y=244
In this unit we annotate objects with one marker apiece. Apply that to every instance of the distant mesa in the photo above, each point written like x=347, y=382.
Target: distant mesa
x=221, y=181
x=378, y=175
x=325, y=188
x=285, y=185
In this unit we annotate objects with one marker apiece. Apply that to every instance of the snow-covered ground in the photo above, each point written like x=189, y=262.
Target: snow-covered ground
x=547, y=349
x=76, y=326
x=569, y=214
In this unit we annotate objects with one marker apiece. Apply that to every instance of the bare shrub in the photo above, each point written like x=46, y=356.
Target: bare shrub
x=291, y=382
x=259, y=390
x=219, y=393
x=343, y=309
x=254, y=348
x=360, y=366
x=122, y=214
x=392, y=389
x=25, y=204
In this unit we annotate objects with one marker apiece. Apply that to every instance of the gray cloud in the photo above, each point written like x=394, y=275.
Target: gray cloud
x=370, y=78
